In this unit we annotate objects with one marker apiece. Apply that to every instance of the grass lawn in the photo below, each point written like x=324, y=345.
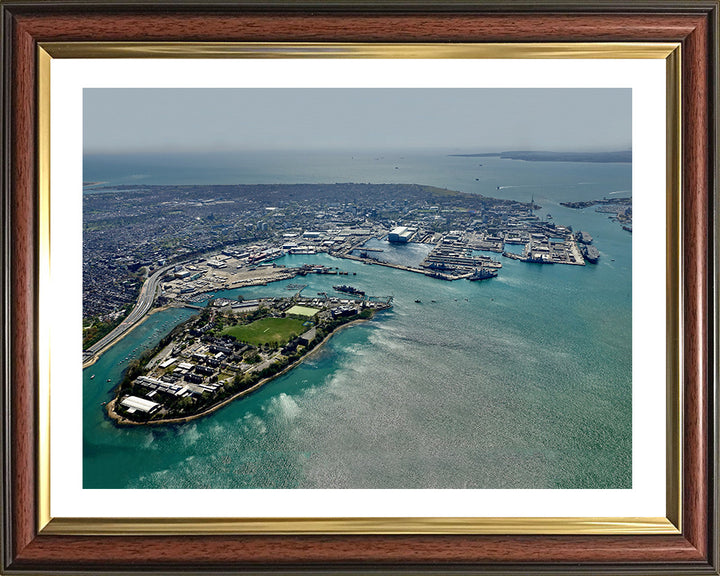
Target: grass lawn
x=265, y=330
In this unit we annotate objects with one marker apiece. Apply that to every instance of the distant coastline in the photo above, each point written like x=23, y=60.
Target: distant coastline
x=543, y=156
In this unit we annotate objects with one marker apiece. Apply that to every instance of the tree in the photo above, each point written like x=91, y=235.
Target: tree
x=185, y=404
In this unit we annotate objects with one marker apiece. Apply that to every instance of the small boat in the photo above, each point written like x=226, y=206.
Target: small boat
x=109, y=379
x=93, y=376
x=418, y=301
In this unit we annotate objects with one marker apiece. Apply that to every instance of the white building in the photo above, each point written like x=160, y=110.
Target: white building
x=168, y=362
x=133, y=404
x=401, y=234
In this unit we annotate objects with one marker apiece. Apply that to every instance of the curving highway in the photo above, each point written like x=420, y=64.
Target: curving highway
x=144, y=303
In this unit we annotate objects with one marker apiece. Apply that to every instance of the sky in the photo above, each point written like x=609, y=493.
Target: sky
x=165, y=120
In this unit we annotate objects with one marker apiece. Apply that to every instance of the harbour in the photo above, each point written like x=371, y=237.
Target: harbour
x=471, y=388
x=493, y=315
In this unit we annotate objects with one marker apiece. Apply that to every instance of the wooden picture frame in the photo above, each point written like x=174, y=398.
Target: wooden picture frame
x=29, y=547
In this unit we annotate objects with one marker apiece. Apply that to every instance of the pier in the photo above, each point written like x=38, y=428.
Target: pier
x=376, y=262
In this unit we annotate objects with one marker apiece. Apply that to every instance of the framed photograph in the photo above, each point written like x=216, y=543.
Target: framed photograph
x=349, y=288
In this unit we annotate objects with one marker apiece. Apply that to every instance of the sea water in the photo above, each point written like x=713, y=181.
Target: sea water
x=521, y=381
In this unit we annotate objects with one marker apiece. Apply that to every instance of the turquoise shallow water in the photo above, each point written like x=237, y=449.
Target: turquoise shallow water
x=523, y=381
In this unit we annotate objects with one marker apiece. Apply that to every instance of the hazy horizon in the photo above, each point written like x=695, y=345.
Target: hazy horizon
x=368, y=150
x=480, y=120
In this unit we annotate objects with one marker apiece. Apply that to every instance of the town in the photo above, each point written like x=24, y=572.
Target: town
x=195, y=240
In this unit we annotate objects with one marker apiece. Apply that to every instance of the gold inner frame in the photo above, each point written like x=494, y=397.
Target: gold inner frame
x=671, y=524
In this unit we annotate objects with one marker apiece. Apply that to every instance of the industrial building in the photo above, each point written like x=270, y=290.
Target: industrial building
x=134, y=404
x=400, y=235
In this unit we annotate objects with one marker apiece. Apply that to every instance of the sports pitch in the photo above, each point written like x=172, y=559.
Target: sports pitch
x=266, y=330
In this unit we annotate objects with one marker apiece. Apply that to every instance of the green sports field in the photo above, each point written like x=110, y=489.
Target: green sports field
x=266, y=330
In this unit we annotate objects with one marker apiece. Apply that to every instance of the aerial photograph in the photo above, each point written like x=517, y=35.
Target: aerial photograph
x=411, y=288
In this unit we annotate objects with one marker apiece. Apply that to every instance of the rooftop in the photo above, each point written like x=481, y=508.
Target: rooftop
x=303, y=311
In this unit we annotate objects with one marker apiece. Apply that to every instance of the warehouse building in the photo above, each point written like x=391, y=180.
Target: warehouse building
x=135, y=404
x=400, y=235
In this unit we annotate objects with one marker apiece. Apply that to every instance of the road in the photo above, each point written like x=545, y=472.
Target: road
x=144, y=303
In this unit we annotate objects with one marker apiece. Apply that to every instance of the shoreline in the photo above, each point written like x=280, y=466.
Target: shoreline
x=236, y=285
x=246, y=284
x=253, y=282
x=120, y=421
x=105, y=348
x=256, y=282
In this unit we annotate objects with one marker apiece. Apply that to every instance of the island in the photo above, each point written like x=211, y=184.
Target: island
x=229, y=350
x=624, y=156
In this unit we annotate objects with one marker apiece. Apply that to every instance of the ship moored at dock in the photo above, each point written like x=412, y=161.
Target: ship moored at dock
x=483, y=274
x=349, y=290
x=590, y=253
